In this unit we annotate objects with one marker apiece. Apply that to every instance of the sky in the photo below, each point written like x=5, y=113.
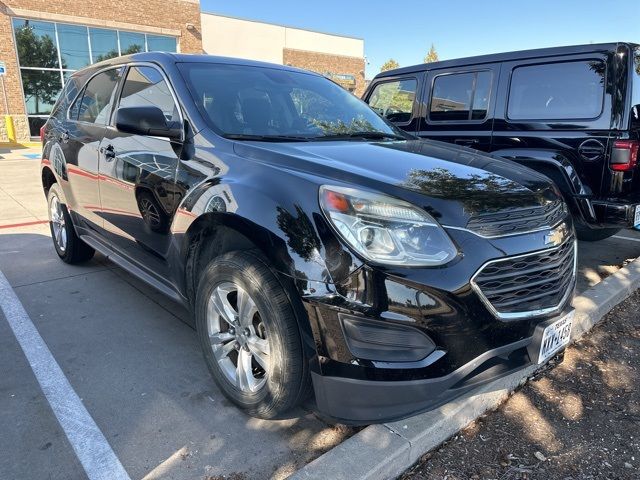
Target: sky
x=458, y=28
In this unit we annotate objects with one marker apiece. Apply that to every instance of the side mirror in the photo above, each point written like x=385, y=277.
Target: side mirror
x=147, y=120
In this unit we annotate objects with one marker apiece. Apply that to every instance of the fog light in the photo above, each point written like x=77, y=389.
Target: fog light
x=386, y=342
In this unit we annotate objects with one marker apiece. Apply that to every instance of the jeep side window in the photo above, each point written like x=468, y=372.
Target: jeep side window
x=570, y=90
x=394, y=100
x=460, y=96
x=94, y=104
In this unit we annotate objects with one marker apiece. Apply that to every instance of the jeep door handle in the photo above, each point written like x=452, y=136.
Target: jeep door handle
x=108, y=152
x=466, y=141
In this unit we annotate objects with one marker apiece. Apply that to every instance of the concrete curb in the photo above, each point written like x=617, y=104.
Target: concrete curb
x=385, y=451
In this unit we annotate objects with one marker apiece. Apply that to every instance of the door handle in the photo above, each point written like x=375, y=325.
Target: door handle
x=64, y=136
x=466, y=141
x=108, y=152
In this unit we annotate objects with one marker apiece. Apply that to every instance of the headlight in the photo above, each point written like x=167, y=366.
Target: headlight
x=384, y=229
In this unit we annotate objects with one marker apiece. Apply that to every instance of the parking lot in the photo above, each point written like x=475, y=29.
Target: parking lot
x=135, y=364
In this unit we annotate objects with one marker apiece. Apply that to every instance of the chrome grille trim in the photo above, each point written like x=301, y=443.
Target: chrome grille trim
x=564, y=266
x=517, y=221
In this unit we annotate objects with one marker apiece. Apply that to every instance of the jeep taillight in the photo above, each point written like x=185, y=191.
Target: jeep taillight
x=42, y=134
x=624, y=155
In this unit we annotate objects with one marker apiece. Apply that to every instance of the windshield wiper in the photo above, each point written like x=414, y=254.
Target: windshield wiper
x=265, y=138
x=365, y=135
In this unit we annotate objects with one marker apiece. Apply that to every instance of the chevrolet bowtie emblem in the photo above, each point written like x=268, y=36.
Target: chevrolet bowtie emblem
x=556, y=236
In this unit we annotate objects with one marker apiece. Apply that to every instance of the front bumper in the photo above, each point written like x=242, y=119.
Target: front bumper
x=358, y=401
x=471, y=345
x=608, y=214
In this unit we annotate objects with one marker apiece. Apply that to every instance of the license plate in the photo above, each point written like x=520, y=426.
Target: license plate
x=555, y=337
x=636, y=218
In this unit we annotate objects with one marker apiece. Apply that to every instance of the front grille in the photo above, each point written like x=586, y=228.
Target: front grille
x=518, y=220
x=530, y=284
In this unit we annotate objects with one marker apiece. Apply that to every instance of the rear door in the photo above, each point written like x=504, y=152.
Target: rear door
x=458, y=105
x=138, y=187
x=394, y=98
x=560, y=105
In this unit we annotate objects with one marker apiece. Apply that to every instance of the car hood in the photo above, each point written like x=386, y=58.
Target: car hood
x=453, y=183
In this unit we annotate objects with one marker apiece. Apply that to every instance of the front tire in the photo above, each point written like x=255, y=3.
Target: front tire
x=68, y=245
x=249, y=335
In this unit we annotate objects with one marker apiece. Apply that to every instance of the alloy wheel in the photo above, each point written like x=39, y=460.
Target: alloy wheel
x=238, y=337
x=149, y=212
x=56, y=217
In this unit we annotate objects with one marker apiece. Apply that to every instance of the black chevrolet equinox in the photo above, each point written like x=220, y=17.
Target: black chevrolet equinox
x=319, y=248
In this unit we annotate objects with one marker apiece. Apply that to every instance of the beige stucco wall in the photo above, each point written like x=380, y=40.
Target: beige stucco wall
x=234, y=37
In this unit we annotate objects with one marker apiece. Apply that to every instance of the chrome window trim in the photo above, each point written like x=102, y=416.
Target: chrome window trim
x=531, y=313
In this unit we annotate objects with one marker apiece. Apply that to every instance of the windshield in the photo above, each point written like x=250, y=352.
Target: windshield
x=261, y=103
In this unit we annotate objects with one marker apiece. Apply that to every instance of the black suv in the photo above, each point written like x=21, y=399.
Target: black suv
x=571, y=113
x=318, y=246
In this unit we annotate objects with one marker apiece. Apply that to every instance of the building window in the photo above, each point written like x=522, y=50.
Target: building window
x=49, y=52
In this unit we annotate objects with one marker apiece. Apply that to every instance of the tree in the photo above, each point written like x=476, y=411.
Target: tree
x=38, y=51
x=389, y=65
x=432, y=55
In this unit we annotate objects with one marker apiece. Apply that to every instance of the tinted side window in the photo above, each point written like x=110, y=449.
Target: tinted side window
x=394, y=100
x=94, y=105
x=145, y=86
x=460, y=96
x=635, y=89
x=571, y=90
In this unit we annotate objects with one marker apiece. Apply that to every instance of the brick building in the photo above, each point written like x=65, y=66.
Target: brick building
x=338, y=57
x=42, y=41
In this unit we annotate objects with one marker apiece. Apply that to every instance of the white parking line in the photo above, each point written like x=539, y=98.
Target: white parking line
x=94, y=452
x=620, y=237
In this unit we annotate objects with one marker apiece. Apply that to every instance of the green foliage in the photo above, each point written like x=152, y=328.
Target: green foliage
x=389, y=65
x=339, y=127
x=38, y=51
x=432, y=55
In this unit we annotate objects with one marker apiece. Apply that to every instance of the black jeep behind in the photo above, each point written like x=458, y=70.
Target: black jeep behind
x=572, y=113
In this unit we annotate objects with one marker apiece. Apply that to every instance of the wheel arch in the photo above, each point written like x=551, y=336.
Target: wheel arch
x=213, y=234
x=48, y=178
x=560, y=170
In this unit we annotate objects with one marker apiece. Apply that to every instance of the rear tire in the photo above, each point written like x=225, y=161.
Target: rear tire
x=68, y=245
x=587, y=234
x=249, y=335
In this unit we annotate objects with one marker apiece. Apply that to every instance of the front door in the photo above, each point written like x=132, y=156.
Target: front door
x=138, y=187
x=458, y=105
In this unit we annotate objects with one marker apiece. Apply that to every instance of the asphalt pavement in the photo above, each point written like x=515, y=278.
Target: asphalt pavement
x=136, y=366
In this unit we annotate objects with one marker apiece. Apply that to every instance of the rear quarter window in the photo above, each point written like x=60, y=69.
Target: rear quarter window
x=635, y=89
x=557, y=91
x=69, y=92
